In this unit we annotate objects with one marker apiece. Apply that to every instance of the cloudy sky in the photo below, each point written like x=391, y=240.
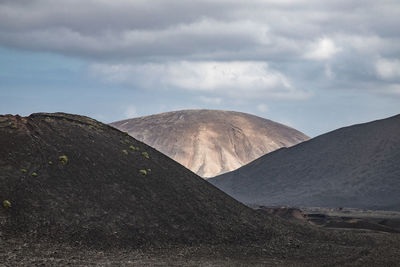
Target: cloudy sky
x=314, y=65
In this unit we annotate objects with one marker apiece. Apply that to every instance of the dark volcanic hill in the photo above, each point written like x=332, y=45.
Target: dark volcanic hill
x=69, y=183
x=356, y=166
x=71, y=178
x=211, y=142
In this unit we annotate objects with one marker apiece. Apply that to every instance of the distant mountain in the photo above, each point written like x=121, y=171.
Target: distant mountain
x=211, y=142
x=70, y=178
x=356, y=166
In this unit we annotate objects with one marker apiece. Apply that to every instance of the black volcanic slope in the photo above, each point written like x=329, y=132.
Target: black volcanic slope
x=356, y=166
x=72, y=193
x=100, y=197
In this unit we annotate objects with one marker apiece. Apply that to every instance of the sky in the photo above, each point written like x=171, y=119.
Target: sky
x=313, y=65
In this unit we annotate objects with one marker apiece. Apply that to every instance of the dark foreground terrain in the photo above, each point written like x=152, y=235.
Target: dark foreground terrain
x=350, y=218
x=78, y=192
x=342, y=248
x=339, y=218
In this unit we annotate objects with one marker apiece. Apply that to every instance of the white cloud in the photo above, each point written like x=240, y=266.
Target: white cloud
x=211, y=100
x=322, y=49
x=262, y=108
x=388, y=69
x=130, y=112
x=237, y=79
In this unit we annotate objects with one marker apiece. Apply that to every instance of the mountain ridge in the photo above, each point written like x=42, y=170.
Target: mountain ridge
x=210, y=142
x=345, y=167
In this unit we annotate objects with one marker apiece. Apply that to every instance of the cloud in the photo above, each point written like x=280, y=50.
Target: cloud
x=130, y=112
x=308, y=44
x=328, y=72
x=262, y=108
x=211, y=100
x=186, y=30
x=322, y=49
x=394, y=89
x=388, y=69
x=237, y=79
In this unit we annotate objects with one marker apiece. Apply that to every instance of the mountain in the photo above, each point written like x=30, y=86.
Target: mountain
x=74, y=179
x=356, y=166
x=211, y=142
x=77, y=192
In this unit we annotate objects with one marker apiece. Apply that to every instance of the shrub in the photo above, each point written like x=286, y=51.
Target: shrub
x=127, y=141
x=6, y=204
x=34, y=174
x=23, y=170
x=63, y=159
x=126, y=133
x=131, y=147
x=125, y=151
x=143, y=172
x=146, y=155
x=50, y=163
x=149, y=170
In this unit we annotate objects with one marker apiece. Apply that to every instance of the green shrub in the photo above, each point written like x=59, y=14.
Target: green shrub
x=146, y=155
x=23, y=170
x=131, y=147
x=143, y=172
x=149, y=170
x=6, y=204
x=63, y=159
x=50, y=163
x=125, y=151
x=34, y=174
x=127, y=141
x=126, y=133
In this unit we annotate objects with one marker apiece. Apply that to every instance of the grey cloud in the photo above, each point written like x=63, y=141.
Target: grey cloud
x=239, y=80
x=186, y=28
x=285, y=34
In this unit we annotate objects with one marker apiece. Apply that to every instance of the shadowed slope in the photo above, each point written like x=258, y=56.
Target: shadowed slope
x=356, y=166
x=72, y=178
x=72, y=182
x=211, y=142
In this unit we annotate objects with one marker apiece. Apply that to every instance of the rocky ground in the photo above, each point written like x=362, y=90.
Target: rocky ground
x=366, y=249
x=77, y=192
x=338, y=218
